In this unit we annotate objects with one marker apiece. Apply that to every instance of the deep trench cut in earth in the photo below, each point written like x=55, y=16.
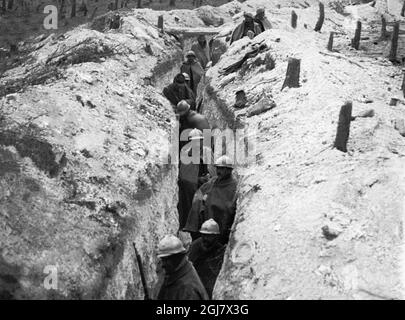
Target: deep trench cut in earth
x=82, y=180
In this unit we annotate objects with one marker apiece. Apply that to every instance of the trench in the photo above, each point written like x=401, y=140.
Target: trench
x=118, y=276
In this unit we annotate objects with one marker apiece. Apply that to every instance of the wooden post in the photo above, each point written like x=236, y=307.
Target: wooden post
x=321, y=19
x=294, y=18
x=94, y=13
x=73, y=12
x=330, y=42
x=139, y=5
x=292, y=79
x=160, y=23
x=116, y=5
x=394, y=43
x=403, y=83
x=343, y=129
x=357, y=36
x=403, y=10
x=62, y=10
x=383, y=27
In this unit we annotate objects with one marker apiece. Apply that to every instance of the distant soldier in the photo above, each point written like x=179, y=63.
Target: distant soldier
x=248, y=28
x=207, y=254
x=216, y=200
x=181, y=279
x=262, y=20
x=178, y=91
x=193, y=68
x=202, y=51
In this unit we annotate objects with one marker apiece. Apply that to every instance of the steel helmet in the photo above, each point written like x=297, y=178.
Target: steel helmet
x=182, y=107
x=195, y=134
x=260, y=11
x=186, y=76
x=224, y=162
x=170, y=245
x=210, y=227
x=191, y=54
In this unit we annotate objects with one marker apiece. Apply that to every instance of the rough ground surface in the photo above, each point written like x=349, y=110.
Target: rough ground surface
x=313, y=222
x=81, y=161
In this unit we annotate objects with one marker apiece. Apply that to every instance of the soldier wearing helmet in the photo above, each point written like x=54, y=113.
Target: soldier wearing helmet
x=215, y=199
x=179, y=90
x=196, y=168
x=248, y=26
x=181, y=279
x=202, y=51
x=207, y=253
x=194, y=69
x=189, y=119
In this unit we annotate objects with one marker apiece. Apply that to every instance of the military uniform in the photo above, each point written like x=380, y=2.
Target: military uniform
x=216, y=200
x=207, y=262
x=183, y=284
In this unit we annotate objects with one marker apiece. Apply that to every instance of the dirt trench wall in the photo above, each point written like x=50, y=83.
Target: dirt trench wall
x=313, y=222
x=82, y=174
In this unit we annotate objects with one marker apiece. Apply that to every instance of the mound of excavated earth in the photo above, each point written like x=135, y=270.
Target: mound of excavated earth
x=313, y=222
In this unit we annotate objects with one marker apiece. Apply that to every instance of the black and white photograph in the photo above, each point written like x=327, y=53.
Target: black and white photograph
x=205, y=150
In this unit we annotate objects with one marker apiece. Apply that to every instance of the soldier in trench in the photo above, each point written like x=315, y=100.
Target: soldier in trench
x=216, y=200
x=207, y=253
x=181, y=280
x=178, y=91
x=202, y=51
x=194, y=69
x=189, y=119
x=196, y=168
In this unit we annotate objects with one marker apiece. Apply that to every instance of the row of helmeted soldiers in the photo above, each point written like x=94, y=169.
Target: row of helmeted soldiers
x=207, y=188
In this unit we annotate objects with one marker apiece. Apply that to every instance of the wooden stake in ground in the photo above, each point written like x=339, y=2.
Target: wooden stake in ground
x=139, y=5
x=383, y=27
x=343, y=129
x=357, y=36
x=403, y=83
x=330, y=42
x=94, y=13
x=73, y=12
x=292, y=79
x=394, y=43
x=160, y=23
x=294, y=18
x=321, y=19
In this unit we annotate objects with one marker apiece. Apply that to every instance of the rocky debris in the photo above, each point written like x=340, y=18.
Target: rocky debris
x=262, y=106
